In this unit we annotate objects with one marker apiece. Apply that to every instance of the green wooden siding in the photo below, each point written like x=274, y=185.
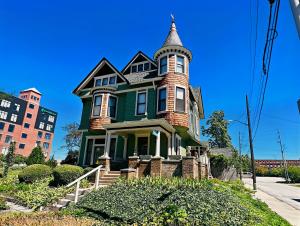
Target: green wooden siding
x=86, y=112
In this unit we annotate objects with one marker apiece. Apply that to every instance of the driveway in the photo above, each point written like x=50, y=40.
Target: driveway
x=282, y=198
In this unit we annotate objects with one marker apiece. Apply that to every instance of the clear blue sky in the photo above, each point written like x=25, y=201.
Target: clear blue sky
x=52, y=45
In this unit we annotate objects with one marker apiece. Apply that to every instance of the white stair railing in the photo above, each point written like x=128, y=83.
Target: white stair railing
x=78, y=180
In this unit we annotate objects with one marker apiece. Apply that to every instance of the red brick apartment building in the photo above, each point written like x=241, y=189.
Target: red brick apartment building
x=24, y=121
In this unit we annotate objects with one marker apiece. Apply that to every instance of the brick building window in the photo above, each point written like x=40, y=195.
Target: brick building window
x=21, y=146
x=17, y=107
x=26, y=125
x=2, y=125
x=28, y=115
x=0, y=136
x=24, y=135
x=51, y=118
x=8, y=139
x=180, y=99
x=163, y=65
x=40, y=134
x=3, y=115
x=13, y=117
x=180, y=64
x=49, y=127
x=31, y=106
x=45, y=145
x=47, y=136
x=97, y=105
x=11, y=128
x=162, y=99
x=42, y=125
x=141, y=102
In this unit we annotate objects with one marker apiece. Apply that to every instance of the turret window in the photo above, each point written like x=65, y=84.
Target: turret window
x=180, y=64
x=97, y=105
x=180, y=99
x=163, y=65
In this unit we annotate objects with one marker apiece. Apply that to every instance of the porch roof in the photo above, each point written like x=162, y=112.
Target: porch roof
x=143, y=123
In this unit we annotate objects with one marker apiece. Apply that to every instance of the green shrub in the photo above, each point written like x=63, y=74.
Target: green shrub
x=51, y=162
x=262, y=171
x=218, y=164
x=35, y=172
x=20, y=159
x=176, y=201
x=294, y=174
x=65, y=174
x=3, y=205
x=36, y=156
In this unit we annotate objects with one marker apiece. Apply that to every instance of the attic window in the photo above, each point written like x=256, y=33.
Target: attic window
x=140, y=67
x=107, y=80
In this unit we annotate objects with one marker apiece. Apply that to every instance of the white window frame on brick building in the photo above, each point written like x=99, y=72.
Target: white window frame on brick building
x=179, y=65
x=49, y=127
x=17, y=107
x=51, y=118
x=42, y=125
x=3, y=115
x=14, y=118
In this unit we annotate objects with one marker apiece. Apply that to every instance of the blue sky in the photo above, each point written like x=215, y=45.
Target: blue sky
x=52, y=45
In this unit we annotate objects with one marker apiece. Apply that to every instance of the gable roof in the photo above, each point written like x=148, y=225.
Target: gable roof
x=139, y=53
x=101, y=63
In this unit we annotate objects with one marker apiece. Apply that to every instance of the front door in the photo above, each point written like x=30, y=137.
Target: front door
x=142, y=145
x=98, y=152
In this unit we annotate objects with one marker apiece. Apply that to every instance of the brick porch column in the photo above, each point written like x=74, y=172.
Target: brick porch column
x=133, y=162
x=188, y=167
x=156, y=166
x=105, y=162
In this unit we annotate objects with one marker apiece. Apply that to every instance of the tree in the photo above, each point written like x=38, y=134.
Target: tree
x=51, y=162
x=72, y=143
x=9, y=158
x=36, y=156
x=217, y=130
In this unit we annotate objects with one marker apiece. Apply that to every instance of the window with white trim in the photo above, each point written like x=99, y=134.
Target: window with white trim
x=162, y=99
x=97, y=105
x=180, y=64
x=45, y=145
x=8, y=139
x=163, y=65
x=3, y=114
x=177, y=144
x=141, y=102
x=5, y=103
x=180, y=99
x=42, y=125
x=140, y=67
x=13, y=117
x=17, y=107
x=105, y=81
x=49, y=127
x=51, y=118
x=112, y=106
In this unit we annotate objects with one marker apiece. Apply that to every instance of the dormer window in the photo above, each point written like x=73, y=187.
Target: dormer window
x=163, y=65
x=107, y=80
x=140, y=67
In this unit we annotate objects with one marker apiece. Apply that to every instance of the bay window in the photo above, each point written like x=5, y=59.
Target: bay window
x=141, y=103
x=97, y=105
x=162, y=99
x=180, y=99
x=112, y=105
x=163, y=65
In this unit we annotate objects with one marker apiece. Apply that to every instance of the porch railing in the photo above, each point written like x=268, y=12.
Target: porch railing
x=78, y=180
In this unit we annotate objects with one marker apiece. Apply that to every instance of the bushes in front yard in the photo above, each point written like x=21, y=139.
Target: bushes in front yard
x=176, y=201
x=269, y=172
x=64, y=174
x=294, y=174
x=36, y=156
x=35, y=172
x=3, y=205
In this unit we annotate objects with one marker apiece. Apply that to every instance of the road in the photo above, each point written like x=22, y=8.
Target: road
x=282, y=198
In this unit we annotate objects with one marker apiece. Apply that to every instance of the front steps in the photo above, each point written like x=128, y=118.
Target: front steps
x=106, y=180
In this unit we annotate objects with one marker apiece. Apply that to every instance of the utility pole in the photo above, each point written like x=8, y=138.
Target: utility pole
x=240, y=154
x=295, y=5
x=286, y=174
x=251, y=145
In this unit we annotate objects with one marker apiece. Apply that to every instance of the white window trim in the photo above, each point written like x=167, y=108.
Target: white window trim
x=105, y=76
x=136, y=139
x=108, y=96
x=157, y=98
x=178, y=138
x=185, y=98
x=146, y=101
x=100, y=115
x=184, y=64
x=136, y=64
x=164, y=55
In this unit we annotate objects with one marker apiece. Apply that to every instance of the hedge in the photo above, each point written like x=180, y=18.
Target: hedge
x=34, y=172
x=65, y=174
x=294, y=174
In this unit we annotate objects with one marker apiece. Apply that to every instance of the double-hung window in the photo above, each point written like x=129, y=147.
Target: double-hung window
x=112, y=106
x=180, y=64
x=97, y=105
x=180, y=99
x=163, y=64
x=141, y=103
x=112, y=80
x=162, y=99
x=98, y=82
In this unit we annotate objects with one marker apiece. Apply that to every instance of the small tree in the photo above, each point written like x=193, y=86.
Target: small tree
x=217, y=130
x=52, y=162
x=71, y=158
x=36, y=156
x=9, y=158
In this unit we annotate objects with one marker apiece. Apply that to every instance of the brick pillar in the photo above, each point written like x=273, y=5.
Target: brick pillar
x=156, y=166
x=133, y=162
x=188, y=167
x=105, y=162
x=128, y=173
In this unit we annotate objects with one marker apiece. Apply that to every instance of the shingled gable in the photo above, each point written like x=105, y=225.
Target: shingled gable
x=104, y=67
x=197, y=95
x=139, y=57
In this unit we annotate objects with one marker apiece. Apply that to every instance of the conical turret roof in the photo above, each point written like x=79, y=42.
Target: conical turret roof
x=173, y=37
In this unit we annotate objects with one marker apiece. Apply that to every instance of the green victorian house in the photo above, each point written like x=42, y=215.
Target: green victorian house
x=148, y=109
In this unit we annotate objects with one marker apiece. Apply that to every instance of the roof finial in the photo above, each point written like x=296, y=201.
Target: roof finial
x=173, y=26
x=173, y=18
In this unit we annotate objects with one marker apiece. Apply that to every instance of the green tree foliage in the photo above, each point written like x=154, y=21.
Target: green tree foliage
x=52, y=162
x=9, y=158
x=36, y=156
x=217, y=130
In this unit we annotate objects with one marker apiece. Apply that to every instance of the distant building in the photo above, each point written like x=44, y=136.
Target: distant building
x=276, y=163
x=299, y=105
x=24, y=121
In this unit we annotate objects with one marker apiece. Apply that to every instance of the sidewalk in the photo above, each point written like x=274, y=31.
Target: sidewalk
x=285, y=210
